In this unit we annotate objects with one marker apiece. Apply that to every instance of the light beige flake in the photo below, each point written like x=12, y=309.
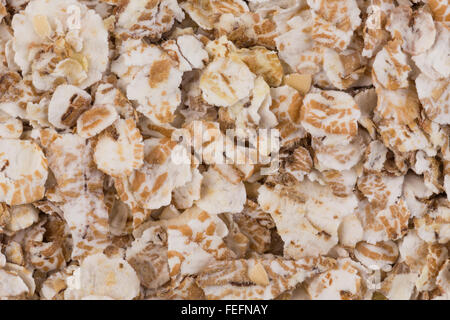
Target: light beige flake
x=446, y=169
x=87, y=218
x=341, y=182
x=377, y=256
x=343, y=282
x=107, y=93
x=344, y=69
x=119, y=150
x=330, y=113
x=350, y=231
x=95, y=120
x=382, y=224
x=188, y=51
x=413, y=251
x=26, y=274
x=337, y=156
x=11, y=284
x=24, y=171
x=99, y=275
x=224, y=149
x=206, y=13
x=13, y=254
x=395, y=220
x=263, y=62
x=146, y=18
x=299, y=163
x=296, y=46
x=435, y=62
x=403, y=138
x=415, y=193
x=334, y=22
x=21, y=217
x=248, y=29
x=225, y=81
x=435, y=226
x=443, y=280
x=16, y=94
x=286, y=106
x=416, y=29
x=375, y=156
x=390, y=67
x=70, y=160
x=258, y=275
x=154, y=80
x=51, y=45
x=400, y=105
x=6, y=52
x=398, y=286
x=67, y=104
x=131, y=205
x=311, y=208
x=260, y=278
x=195, y=240
x=380, y=190
x=256, y=226
x=251, y=114
x=10, y=128
x=367, y=101
x=374, y=33
x=436, y=257
x=435, y=98
x=4, y=216
x=166, y=167
x=185, y=196
x=219, y=193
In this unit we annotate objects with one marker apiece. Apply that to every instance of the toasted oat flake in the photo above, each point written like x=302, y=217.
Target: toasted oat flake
x=24, y=171
x=330, y=113
x=118, y=151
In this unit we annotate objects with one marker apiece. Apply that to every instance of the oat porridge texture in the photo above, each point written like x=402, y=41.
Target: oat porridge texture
x=224, y=149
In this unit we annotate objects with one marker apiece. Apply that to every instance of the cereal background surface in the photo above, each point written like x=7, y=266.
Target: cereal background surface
x=224, y=149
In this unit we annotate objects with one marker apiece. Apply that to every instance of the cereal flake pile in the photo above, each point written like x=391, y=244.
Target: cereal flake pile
x=93, y=205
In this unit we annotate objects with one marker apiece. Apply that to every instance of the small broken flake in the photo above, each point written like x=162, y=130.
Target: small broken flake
x=206, y=149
